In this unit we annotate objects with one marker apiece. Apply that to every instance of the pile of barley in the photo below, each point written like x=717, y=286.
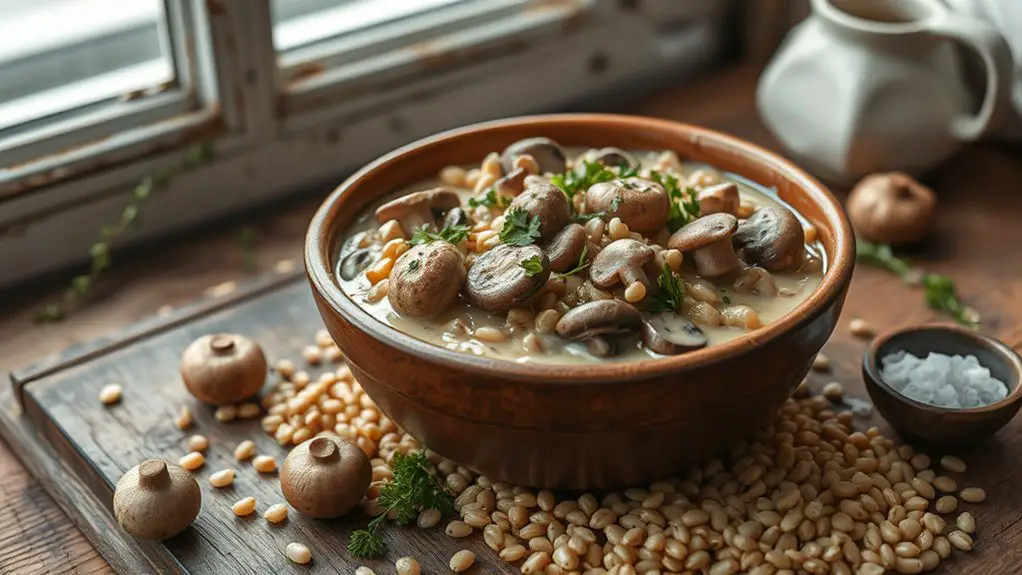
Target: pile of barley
x=807, y=495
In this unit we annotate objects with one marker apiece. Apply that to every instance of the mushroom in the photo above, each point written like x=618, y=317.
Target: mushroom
x=419, y=209
x=610, y=157
x=585, y=293
x=426, y=279
x=548, y=203
x=497, y=281
x=325, y=476
x=354, y=242
x=548, y=155
x=156, y=500
x=891, y=208
x=223, y=368
x=512, y=184
x=669, y=333
x=621, y=261
x=719, y=199
x=641, y=204
x=356, y=262
x=601, y=347
x=605, y=317
x=565, y=249
x=709, y=241
x=772, y=238
x=456, y=217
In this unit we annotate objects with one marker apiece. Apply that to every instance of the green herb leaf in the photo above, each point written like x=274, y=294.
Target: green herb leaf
x=519, y=229
x=726, y=300
x=583, y=263
x=414, y=265
x=571, y=182
x=490, y=199
x=684, y=201
x=366, y=543
x=450, y=234
x=582, y=218
x=615, y=203
x=532, y=266
x=629, y=172
x=938, y=291
x=670, y=295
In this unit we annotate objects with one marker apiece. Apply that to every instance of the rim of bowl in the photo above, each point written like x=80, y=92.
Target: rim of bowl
x=1001, y=348
x=836, y=278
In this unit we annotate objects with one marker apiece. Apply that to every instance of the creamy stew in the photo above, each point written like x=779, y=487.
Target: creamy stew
x=542, y=254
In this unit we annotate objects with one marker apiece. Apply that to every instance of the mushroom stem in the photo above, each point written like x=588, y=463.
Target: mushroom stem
x=715, y=259
x=322, y=449
x=221, y=343
x=632, y=274
x=153, y=474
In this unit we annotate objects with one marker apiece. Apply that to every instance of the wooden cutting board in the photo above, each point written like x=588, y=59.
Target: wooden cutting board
x=51, y=417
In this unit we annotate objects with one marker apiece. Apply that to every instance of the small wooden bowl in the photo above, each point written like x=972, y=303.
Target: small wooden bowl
x=592, y=426
x=938, y=425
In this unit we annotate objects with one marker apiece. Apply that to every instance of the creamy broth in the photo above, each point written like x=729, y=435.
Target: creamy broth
x=455, y=327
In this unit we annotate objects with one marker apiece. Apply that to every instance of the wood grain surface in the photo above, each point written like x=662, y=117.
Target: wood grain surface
x=975, y=241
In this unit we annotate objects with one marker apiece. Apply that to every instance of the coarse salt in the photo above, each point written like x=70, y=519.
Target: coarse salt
x=940, y=380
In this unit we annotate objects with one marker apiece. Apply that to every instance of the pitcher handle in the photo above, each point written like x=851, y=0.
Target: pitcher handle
x=986, y=41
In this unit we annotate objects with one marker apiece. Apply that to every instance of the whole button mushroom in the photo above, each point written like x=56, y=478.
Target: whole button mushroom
x=156, y=500
x=498, y=282
x=565, y=249
x=223, y=368
x=426, y=279
x=419, y=209
x=708, y=239
x=891, y=208
x=641, y=204
x=548, y=203
x=719, y=199
x=772, y=238
x=325, y=477
x=597, y=319
x=668, y=333
x=621, y=262
x=549, y=155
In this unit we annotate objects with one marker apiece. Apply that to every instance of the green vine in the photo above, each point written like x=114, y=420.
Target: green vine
x=99, y=253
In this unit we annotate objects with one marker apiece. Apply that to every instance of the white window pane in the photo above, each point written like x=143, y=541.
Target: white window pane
x=62, y=56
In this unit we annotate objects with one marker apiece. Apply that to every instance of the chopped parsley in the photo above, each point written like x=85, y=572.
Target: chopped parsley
x=582, y=218
x=627, y=172
x=615, y=203
x=414, y=265
x=489, y=199
x=532, y=266
x=450, y=234
x=684, y=201
x=571, y=182
x=670, y=294
x=726, y=300
x=519, y=229
x=583, y=263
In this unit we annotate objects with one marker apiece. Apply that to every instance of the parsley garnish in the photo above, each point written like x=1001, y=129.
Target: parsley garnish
x=532, y=266
x=519, y=229
x=571, y=182
x=627, y=172
x=615, y=203
x=582, y=218
x=450, y=234
x=670, y=294
x=414, y=265
x=938, y=290
x=726, y=300
x=412, y=489
x=583, y=263
x=684, y=202
x=490, y=199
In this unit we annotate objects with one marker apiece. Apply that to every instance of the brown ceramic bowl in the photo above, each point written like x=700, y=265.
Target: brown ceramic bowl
x=571, y=426
x=938, y=425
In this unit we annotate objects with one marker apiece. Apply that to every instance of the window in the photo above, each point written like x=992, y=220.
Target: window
x=292, y=94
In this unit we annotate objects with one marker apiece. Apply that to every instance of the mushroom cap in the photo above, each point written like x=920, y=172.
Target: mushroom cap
x=355, y=262
x=668, y=333
x=610, y=157
x=891, y=208
x=497, y=281
x=601, y=317
x=566, y=247
x=703, y=231
x=426, y=279
x=621, y=261
x=643, y=205
x=223, y=368
x=156, y=500
x=719, y=198
x=549, y=155
x=419, y=208
x=547, y=202
x=325, y=476
x=512, y=183
x=772, y=238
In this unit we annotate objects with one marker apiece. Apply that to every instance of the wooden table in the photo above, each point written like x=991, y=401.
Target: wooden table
x=975, y=241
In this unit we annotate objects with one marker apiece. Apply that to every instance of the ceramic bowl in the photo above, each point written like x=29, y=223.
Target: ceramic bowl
x=594, y=426
x=937, y=425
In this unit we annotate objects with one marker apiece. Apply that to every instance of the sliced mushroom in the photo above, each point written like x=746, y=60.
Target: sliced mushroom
x=548, y=203
x=512, y=184
x=719, y=199
x=599, y=318
x=549, y=155
x=419, y=209
x=772, y=238
x=498, y=282
x=566, y=247
x=610, y=157
x=621, y=262
x=755, y=279
x=709, y=241
x=456, y=217
x=641, y=204
x=426, y=279
x=356, y=262
x=585, y=293
x=353, y=243
x=669, y=333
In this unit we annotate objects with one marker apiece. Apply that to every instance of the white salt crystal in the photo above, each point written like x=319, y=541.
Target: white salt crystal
x=942, y=380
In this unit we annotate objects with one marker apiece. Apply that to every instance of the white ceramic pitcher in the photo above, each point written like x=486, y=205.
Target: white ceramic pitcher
x=863, y=86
